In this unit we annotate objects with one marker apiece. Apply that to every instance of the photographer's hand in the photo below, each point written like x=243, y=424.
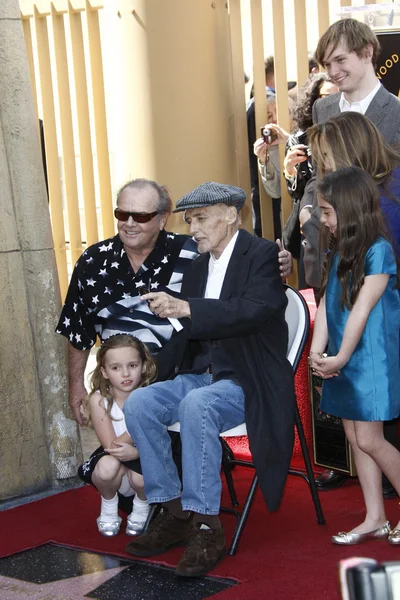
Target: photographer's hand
x=296, y=155
x=260, y=149
x=283, y=135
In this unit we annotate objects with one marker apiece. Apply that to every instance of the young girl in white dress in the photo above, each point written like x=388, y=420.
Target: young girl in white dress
x=123, y=364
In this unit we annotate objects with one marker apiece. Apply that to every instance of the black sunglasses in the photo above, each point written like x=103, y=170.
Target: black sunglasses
x=121, y=215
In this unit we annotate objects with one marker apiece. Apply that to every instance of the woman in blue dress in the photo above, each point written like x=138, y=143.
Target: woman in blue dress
x=359, y=319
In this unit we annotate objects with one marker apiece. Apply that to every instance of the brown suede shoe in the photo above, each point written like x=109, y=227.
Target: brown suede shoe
x=164, y=532
x=205, y=549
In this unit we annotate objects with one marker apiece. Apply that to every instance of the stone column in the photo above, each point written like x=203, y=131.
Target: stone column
x=39, y=440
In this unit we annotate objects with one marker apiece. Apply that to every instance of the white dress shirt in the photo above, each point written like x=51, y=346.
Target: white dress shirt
x=217, y=269
x=360, y=106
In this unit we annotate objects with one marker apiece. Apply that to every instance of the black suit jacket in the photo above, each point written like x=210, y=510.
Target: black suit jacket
x=248, y=320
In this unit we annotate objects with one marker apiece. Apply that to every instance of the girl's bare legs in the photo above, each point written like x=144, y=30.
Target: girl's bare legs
x=137, y=483
x=107, y=476
x=363, y=438
x=140, y=507
x=372, y=455
x=385, y=455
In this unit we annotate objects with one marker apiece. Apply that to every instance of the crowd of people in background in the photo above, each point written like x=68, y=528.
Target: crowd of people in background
x=193, y=326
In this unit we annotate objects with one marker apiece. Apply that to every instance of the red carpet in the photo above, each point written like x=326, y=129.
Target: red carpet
x=285, y=555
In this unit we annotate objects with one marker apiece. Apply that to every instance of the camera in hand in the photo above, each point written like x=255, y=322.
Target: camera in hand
x=268, y=135
x=306, y=167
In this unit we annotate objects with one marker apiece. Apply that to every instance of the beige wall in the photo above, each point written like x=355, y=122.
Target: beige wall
x=37, y=440
x=169, y=85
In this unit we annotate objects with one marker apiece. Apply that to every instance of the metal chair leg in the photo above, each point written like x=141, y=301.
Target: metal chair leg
x=227, y=467
x=154, y=510
x=307, y=461
x=243, y=517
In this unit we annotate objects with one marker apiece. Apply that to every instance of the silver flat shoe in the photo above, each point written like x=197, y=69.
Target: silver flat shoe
x=136, y=521
x=109, y=529
x=394, y=536
x=348, y=539
x=134, y=527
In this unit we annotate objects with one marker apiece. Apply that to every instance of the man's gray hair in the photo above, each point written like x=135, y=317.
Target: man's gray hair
x=164, y=200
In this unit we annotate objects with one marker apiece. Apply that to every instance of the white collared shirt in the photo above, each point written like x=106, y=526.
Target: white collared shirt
x=217, y=269
x=361, y=106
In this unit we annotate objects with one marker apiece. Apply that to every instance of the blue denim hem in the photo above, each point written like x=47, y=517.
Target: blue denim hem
x=199, y=509
x=159, y=500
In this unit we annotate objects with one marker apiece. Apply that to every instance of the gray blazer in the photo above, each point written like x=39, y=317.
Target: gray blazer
x=384, y=112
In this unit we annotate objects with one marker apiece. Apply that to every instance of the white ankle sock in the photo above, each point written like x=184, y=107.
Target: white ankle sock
x=109, y=509
x=140, y=510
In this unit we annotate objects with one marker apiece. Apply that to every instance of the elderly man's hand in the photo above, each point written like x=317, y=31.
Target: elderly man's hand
x=163, y=305
x=285, y=260
x=77, y=395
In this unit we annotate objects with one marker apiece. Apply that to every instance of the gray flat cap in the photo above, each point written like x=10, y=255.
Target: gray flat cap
x=210, y=193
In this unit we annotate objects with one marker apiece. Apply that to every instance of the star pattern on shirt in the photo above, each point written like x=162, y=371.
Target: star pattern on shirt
x=88, y=295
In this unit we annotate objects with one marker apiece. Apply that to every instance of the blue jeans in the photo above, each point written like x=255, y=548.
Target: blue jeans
x=204, y=409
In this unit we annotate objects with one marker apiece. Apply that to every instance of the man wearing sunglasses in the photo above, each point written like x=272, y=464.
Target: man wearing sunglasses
x=105, y=293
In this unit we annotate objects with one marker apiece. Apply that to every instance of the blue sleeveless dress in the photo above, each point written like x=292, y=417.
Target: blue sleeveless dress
x=368, y=387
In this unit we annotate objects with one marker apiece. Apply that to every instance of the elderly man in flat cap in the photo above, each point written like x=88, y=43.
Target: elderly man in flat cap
x=230, y=366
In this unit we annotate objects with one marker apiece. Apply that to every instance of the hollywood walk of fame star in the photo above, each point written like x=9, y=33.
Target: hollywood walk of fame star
x=74, y=588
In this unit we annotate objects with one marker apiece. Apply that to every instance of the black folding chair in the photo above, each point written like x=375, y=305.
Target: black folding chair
x=298, y=319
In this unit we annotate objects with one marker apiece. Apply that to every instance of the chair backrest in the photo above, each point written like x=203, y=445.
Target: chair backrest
x=297, y=317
